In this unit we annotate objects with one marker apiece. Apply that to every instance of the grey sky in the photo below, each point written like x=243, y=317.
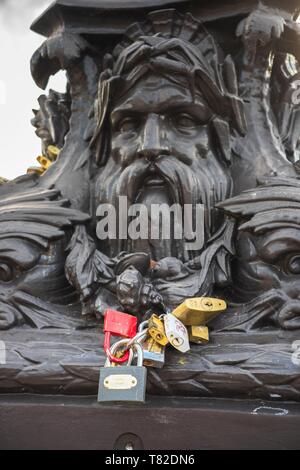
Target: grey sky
x=18, y=92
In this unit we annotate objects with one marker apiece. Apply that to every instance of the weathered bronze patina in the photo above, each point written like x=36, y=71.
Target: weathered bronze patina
x=168, y=102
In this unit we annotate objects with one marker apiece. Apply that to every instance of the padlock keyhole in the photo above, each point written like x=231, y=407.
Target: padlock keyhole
x=176, y=341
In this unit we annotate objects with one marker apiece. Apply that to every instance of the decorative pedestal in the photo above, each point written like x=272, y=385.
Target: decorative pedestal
x=176, y=102
x=44, y=422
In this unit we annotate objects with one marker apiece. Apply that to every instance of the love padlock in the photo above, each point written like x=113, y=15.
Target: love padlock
x=154, y=353
x=199, y=311
x=176, y=333
x=124, y=383
x=156, y=330
x=118, y=324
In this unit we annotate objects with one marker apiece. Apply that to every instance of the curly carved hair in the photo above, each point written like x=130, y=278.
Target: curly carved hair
x=179, y=48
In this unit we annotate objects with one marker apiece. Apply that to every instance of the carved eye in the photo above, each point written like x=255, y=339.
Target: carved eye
x=184, y=121
x=292, y=264
x=6, y=273
x=129, y=124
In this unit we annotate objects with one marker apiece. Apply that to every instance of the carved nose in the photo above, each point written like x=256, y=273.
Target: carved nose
x=151, y=145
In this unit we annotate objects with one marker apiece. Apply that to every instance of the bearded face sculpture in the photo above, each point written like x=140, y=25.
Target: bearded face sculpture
x=162, y=153
x=157, y=122
x=165, y=112
x=164, y=117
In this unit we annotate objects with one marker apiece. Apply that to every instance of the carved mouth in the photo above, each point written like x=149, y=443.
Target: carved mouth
x=154, y=190
x=155, y=180
x=157, y=192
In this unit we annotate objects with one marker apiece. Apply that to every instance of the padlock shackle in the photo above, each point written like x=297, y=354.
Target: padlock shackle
x=141, y=335
x=117, y=360
x=112, y=358
x=143, y=325
x=139, y=352
x=115, y=347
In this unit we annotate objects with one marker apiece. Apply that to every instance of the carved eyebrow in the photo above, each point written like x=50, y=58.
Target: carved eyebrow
x=198, y=110
x=19, y=252
x=276, y=244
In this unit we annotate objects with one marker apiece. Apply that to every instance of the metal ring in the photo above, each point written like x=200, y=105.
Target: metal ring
x=118, y=360
x=142, y=338
x=135, y=339
x=119, y=343
x=122, y=342
x=128, y=356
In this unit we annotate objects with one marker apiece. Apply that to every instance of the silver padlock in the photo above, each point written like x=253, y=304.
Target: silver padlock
x=123, y=383
x=154, y=353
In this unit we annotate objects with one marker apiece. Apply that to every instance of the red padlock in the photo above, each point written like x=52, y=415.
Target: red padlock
x=118, y=324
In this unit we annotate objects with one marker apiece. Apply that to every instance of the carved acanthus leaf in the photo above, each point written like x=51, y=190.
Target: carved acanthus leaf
x=56, y=53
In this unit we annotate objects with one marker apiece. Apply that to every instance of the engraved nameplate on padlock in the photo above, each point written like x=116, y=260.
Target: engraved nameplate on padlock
x=120, y=382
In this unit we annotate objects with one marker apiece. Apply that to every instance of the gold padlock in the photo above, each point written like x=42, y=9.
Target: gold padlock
x=45, y=162
x=53, y=152
x=35, y=169
x=198, y=334
x=156, y=330
x=199, y=310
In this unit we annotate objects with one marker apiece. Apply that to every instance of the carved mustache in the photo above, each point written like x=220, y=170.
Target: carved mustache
x=186, y=186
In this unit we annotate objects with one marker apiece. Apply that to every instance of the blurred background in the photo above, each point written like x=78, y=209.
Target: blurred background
x=19, y=145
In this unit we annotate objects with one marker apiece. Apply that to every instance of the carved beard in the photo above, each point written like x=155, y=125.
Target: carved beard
x=167, y=180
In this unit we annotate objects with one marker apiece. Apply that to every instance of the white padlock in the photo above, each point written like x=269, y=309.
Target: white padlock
x=176, y=333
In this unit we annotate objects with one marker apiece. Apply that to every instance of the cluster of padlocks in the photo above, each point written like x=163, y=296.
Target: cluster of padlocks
x=146, y=345
x=45, y=161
